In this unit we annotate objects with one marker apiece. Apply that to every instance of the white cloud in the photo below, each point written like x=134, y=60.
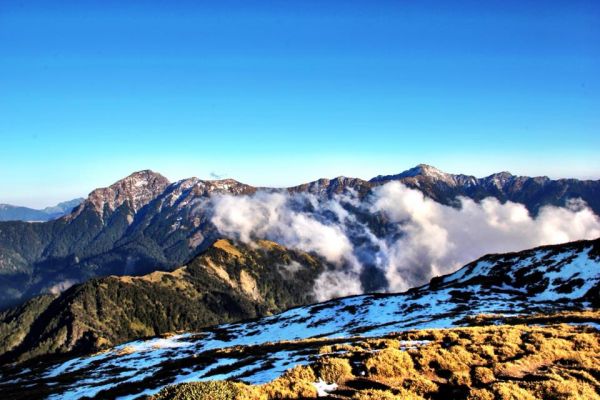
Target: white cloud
x=61, y=286
x=422, y=238
x=273, y=216
x=438, y=239
x=284, y=219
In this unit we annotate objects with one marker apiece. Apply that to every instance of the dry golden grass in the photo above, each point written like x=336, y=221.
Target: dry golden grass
x=555, y=362
x=332, y=369
x=226, y=246
x=295, y=383
x=390, y=363
x=267, y=244
x=126, y=350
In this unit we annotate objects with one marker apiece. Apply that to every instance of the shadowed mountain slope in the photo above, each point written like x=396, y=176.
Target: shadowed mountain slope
x=226, y=283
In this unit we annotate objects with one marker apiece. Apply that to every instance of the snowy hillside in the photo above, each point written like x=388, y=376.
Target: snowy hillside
x=546, y=279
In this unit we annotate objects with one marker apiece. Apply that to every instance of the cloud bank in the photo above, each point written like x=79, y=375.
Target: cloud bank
x=396, y=231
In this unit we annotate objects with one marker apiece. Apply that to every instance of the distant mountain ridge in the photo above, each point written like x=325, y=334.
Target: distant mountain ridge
x=143, y=186
x=533, y=192
x=17, y=213
x=144, y=223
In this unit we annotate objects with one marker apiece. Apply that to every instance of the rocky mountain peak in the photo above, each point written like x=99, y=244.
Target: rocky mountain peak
x=500, y=179
x=185, y=191
x=424, y=170
x=421, y=170
x=222, y=186
x=137, y=189
x=504, y=175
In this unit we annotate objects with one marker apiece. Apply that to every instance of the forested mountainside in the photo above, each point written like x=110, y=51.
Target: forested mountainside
x=226, y=283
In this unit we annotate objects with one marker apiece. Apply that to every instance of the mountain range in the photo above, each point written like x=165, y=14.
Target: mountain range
x=533, y=290
x=143, y=223
x=17, y=213
x=533, y=192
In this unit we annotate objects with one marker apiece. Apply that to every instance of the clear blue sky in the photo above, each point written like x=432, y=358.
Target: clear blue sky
x=278, y=93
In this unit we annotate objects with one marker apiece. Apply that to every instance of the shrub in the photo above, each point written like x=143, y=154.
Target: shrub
x=511, y=391
x=333, y=369
x=377, y=395
x=391, y=363
x=483, y=375
x=561, y=389
x=480, y=394
x=211, y=390
x=294, y=383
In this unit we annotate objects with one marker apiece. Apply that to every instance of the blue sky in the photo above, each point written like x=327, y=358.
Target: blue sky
x=283, y=92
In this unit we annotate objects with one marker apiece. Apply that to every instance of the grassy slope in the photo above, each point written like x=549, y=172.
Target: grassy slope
x=518, y=360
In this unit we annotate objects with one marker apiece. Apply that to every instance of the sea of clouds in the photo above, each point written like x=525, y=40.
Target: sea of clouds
x=407, y=237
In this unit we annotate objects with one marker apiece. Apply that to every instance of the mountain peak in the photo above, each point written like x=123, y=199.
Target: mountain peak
x=137, y=189
x=502, y=175
x=424, y=170
x=500, y=179
x=145, y=176
x=421, y=170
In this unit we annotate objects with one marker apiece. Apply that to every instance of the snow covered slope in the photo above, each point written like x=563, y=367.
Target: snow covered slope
x=546, y=279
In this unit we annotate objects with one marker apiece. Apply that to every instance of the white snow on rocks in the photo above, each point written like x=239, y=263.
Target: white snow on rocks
x=323, y=388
